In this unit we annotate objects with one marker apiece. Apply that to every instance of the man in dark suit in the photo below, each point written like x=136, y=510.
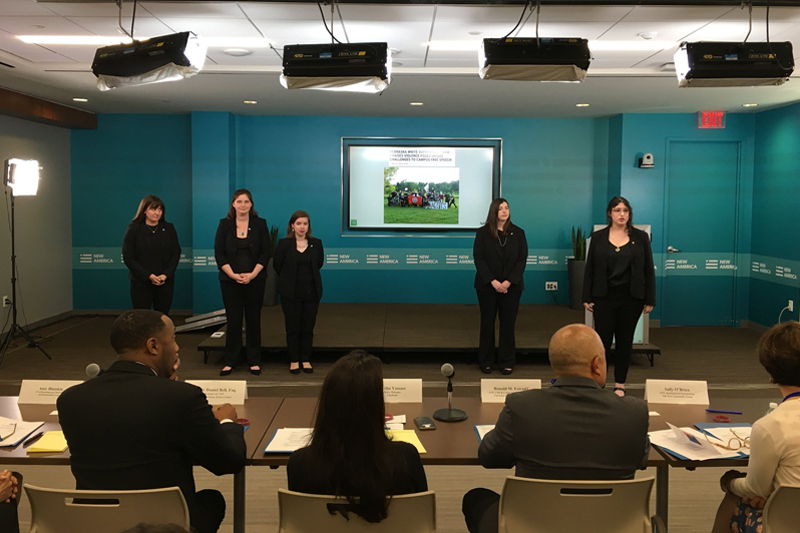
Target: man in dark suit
x=136, y=427
x=572, y=430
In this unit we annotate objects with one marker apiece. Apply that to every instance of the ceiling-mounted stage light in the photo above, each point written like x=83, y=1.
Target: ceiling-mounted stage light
x=532, y=59
x=159, y=59
x=733, y=64
x=22, y=176
x=351, y=67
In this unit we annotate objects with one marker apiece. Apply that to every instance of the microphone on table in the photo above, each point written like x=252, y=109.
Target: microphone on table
x=93, y=370
x=449, y=414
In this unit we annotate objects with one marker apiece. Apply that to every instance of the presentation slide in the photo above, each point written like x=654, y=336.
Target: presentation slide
x=420, y=187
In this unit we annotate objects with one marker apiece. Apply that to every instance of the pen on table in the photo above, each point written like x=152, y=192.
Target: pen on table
x=723, y=411
x=31, y=439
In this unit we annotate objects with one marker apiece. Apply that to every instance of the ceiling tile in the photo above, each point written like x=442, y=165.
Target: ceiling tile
x=26, y=7
x=675, y=13
x=667, y=31
x=52, y=26
x=31, y=52
x=144, y=27
x=407, y=36
x=448, y=31
x=388, y=13
x=194, y=9
x=211, y=27
x=282, y=11
x=730, y=30
x=283, y=32
x=100, y=9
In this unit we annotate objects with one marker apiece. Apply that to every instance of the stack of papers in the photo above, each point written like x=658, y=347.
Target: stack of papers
x=406, y=435
x=51, y=442
x=15, y=431
x=483, y=430
x=692, y=445
x=288, y=440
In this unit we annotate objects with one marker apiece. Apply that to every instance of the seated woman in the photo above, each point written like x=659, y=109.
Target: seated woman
x=350, y=455
x=10, y=488
x=774, y=442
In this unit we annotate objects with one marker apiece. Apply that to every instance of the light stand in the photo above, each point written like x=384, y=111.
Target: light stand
x=449, y=414
x=16, y=330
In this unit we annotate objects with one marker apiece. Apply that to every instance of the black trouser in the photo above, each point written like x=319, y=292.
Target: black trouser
x=615, y=319
x=145, y=295
x=243, y=301
x=491, y=304
x=209, y=512
x=480, y=508
x=300, y=317
x=9, y=520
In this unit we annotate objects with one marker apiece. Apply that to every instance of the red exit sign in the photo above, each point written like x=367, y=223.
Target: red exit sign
x=711, y=120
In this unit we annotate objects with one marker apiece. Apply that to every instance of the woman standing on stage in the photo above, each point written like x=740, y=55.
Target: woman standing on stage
x=241, y=248
x=619, y=284
x=298, y=258
x=151, y=252
x=500, y=253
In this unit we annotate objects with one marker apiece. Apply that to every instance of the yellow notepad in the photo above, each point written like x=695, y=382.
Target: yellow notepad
x=51, y=442
x=406, y=435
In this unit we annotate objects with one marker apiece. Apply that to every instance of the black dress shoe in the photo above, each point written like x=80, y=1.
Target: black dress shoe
x=486, y=369
x=307, y=370
x=224, y=373
x=295, y=370
x=507, y=371
x=256, y=372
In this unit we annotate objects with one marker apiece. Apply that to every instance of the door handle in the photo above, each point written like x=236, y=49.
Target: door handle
x=672, y=250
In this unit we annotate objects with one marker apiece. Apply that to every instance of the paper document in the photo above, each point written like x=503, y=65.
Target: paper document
x=394, y=427
x=483, y=430
x=287, y=440
x=51, y=442
x=15, y=431
x=688, y=443
x=398, y=419
x=406, y=435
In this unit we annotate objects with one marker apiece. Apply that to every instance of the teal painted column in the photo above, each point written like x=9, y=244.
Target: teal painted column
x=213, y=182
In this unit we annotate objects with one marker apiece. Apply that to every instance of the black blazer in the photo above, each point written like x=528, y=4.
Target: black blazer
x=143, y=258
x=225, y=245
x=487, y=255
x=128, y=429
x=643, y=275
x=285, y=265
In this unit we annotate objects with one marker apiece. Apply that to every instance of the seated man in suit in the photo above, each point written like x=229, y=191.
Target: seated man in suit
x=136, y=427
x=572, y=430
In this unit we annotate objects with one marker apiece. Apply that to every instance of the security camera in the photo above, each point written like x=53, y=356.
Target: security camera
x=646, y=161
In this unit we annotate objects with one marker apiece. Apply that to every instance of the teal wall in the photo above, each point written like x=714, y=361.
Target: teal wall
x=556, y=173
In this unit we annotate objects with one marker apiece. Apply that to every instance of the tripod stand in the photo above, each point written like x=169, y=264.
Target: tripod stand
x=15, y=330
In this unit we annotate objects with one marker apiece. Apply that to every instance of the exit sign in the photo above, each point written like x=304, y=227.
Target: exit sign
x=711, y=120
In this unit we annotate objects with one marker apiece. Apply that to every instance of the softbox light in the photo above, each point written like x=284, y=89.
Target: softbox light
x=733, y=64
x=22, y=176
x=534, y=59
x=159, y=59
x=350, y=67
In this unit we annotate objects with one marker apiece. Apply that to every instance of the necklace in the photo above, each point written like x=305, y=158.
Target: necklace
x=153, y=230
x=502, y=242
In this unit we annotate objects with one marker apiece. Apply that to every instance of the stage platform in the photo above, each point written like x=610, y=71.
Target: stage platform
x=391, y=328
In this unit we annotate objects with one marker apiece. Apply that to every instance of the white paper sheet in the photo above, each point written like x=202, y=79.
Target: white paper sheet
x=482, y=430
x=13, y=435
x=287, y=440
x=689, y=443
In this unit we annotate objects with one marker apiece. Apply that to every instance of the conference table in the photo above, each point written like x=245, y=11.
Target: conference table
x=449, y=444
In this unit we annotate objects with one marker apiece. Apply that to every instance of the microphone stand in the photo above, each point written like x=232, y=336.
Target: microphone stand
x=449, y=414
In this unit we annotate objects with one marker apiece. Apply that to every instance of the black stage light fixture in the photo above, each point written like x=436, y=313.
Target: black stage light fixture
x=350, y=67
x=733, y=64
x=563, y=59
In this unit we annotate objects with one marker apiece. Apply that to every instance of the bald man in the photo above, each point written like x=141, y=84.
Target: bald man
x=572, y=430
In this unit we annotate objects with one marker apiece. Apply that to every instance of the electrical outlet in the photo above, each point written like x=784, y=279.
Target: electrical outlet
x=791, y=305
x=6, y=301
x=551, y=285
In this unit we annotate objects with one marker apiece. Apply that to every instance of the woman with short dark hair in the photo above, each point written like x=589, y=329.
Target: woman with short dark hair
x=350, y=455
x=774, y=440
x=151, y=252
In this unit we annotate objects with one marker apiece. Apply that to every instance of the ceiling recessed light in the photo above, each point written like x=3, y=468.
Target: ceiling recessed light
x=38, y=26
x=415, y=103
x=474, y=32
x=250, y=102
x=749, y=105
x=581, y=105
x=80, y=100
x=397, y=64
x=647, y=35
x=395, y=51
x=237, y=52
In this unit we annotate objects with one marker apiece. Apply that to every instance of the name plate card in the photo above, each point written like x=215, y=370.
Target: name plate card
x=219, y=392
x=496, y=390
x=43, y=391
x=402, y=390
x=676, y=392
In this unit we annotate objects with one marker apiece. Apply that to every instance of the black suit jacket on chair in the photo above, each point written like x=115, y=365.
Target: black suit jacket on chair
x=225, y=245
x=128, y=429
x=488, y=256
x=286, y=265
x=643, y=275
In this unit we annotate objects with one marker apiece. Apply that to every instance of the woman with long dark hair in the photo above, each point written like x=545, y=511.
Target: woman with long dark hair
x=619, y=284
x=500, y=253
x=151, y=252
x=350, y=455
x=298, y=258
x=241, y=248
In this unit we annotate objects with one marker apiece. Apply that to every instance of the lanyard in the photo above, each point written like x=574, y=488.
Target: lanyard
x=792, y=395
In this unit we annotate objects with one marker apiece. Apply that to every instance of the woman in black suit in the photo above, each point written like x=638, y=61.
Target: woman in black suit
x=500, y=253
x=151, y=252
x=619, y=283
x=241, y=248
x=298, y=258
x=350, y=455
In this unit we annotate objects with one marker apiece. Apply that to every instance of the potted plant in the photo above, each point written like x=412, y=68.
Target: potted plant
x=271, y=289
x=576, y=267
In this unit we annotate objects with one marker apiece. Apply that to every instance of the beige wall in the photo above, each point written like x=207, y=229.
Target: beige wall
x=43, y=223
